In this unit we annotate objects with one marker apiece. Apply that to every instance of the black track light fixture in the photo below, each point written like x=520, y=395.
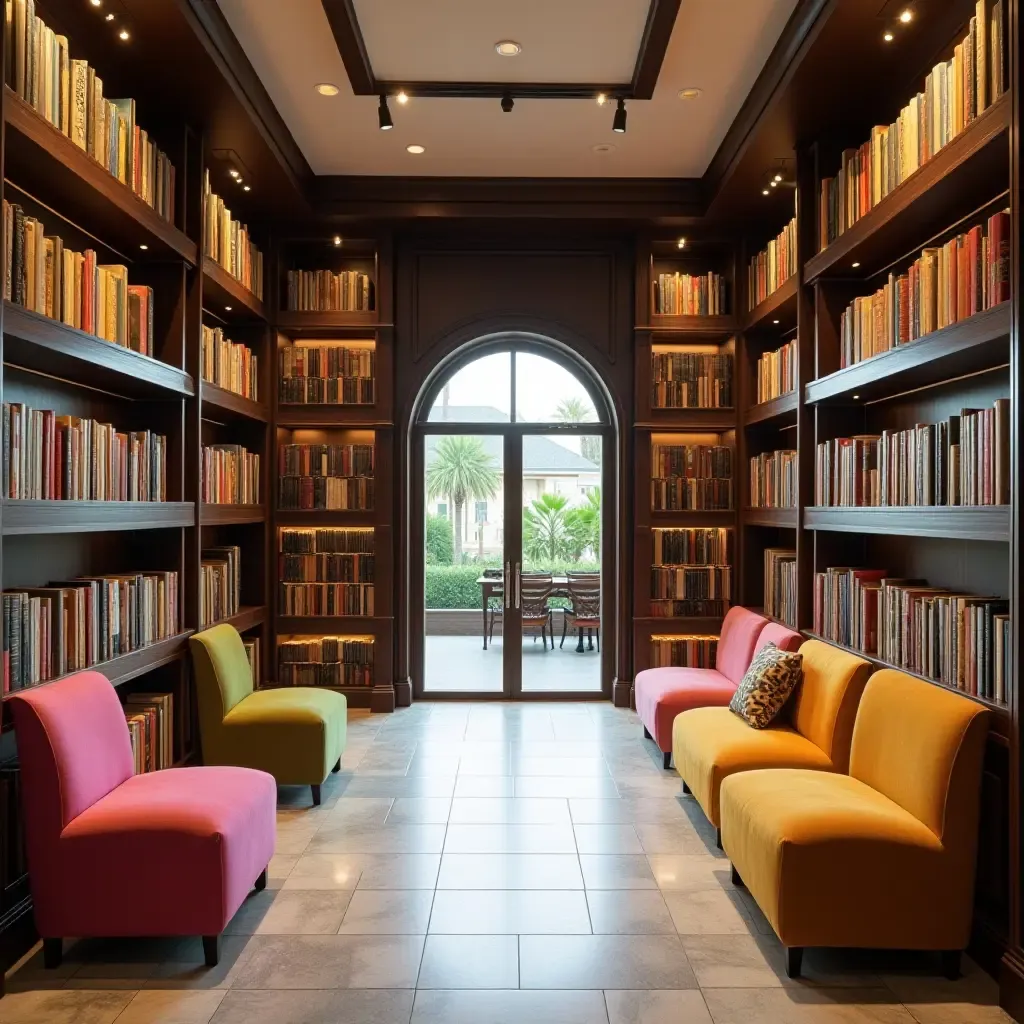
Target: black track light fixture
x=619, y=122
x=384, y=115
x=507, y=103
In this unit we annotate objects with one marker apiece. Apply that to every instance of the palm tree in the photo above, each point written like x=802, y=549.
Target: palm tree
x=545, y=534
x=583, y=524
x=579, y=410
x=461, y=471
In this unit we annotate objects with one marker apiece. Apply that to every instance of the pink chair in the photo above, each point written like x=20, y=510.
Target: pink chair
x=115, y=854
x=663, y=693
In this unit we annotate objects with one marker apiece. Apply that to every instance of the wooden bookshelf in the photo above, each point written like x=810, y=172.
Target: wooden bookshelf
x=779, y=308
x=227, y=515
x=219, y=402
x=777, y=412
x=785, y=518
x=21, y=517
x=956, y=522
x=222, y=294
x=299, y=322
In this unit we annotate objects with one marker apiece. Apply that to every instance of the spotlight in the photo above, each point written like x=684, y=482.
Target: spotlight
x=96, y=3
x=402, y=97
x=227, y=309
x=619, y=121
x=507, y=103
x=766, y=191
x=326, y=89
x=109, y=17
x=856, y=396
x=508, y=48
x=337, y=239
x=778, y=178
x=775, y=321
x=601, y=99
x=888, y=37
x=681, y=244
x=233, y=173
x=384, y=115
x=143, y=246
x=246, y=188
x=415, y=149
x=907, y=16
x=855, y=264
x=123, y=35
x=773, y=183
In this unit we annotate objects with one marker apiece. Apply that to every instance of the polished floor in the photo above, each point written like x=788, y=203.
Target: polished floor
x=493, y=864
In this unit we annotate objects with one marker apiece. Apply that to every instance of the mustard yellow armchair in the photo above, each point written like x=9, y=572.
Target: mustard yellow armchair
x=296, y=733
x=883, y=857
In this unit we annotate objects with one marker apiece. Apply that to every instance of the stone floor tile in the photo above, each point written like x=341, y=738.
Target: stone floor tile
x=508, y=1007
x=657, y=1007
x=470, y=961
x=388, y=912
x=509, y=912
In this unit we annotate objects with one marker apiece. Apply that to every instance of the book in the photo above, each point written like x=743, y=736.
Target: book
x=773, y=479
x=326, y=572
x=691, y=477
x=230, y=475
x=780, y=585
x=220, y=582
x=776, y=372
x=326, y=373
x=326, y=476
x=689, y=295
x=228, y=244
x=773, y=266
x=684, y=651
x=313, y=291
x=228, y=364
x=690, y=380
x=325, y=661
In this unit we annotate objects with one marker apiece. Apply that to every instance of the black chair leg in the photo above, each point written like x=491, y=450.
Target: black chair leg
x=718, y=838
x=337, y=767
x=647, y=733
x=590, y=639
x=736, y=880
x=211, y=950
x=666, y=759
x=565, y=623
x=686, y=789
x=598, y=632
x=951, y=964
x=579, y=640
x=261, y=882
x=794, y=961
x=316, y=795
x=53, y=953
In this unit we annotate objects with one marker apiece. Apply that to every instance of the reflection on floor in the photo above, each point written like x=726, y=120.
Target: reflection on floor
x=460, y=663
x=493, y=864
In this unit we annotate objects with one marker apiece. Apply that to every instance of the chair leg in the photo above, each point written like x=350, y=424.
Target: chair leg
x=736, y=880
x=316, y=795
x=53, y=953
x=337, y=767
x=565, y=623
x=718, y=838
x=666, y=759
x=951, y=964
x=686, y=789
x=794, y=961
x=211, y=950
x=598, y=632
x=590, y=639
x=647, y=734
x=579, y=639
x=261, y=882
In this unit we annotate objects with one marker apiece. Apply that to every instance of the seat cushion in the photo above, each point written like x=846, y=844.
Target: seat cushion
x=709, y=744
x=297, y=733
x=166, y=853
x=663, y=693
x=832, y=862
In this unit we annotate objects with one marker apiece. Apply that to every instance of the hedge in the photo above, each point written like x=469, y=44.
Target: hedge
x=455, y=586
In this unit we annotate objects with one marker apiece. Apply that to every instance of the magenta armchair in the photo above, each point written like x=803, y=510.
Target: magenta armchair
x=115, y=854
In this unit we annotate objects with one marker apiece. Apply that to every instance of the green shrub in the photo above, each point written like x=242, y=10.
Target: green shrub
x=455, y=586
x=440, y=540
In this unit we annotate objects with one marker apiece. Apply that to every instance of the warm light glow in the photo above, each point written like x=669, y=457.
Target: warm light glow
x=246, y=188
x=508, y=48
x=689, y=94
x=109, y=17
x=326, y=89
x=681, y=243
x=228, y=308
x=414, y=149
x=123, y=34
x=773, y=183
x=337, y=239
x=233, y=173
x=888, y=37
x=778, y=178
x=143, y=246
x=601, y=99
x=856, y=396
x=857, y=264
x=775, y=321
x=402, y=97
x=765, y=191
x=96, y=3
x=907, y=17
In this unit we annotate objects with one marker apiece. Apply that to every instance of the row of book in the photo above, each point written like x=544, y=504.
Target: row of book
x=327, y=541
x=220, y=584
x=229, y=364
x=68, y=93
x=690, y=591
x=70, y=458
x=327, y=391
x=326, y=359
x=325, y=661
x=776, y=372
x=691, y=477
x=326, y=599
x=772, y=266
x=317, y=291
x=955, y=93
x=711, y=545
x=963, y=460
x=231, y=475
x=780, y=585
x=691, y=380
x=150, y=718
x=73, y=287
x=336, y=493
x=228, y=243
x=959, y=639
x=689, y=294
x=73, y=624
x=684, y=651
x=773, y=479
x=947, y=283
x=326, y=460
x=326, y=568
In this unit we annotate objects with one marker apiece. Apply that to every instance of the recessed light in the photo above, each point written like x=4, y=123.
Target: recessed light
x=602, y=99
x=603, y=147
x=777, y=178
x=238, y=179
x=123, y=34
x=96, y=3
x=402, y=97
x=233, y=173
x=227, y=309
x=337, y=239
x=508, y=48
x=326, y=89
x=857, y=264
x=856, y=396
x=246, y=188
x=143, y=246
x=766, y=191
x=416, y=150
x=775, y=321
x=109, y=17
x=773, y=183
x=907, y=16
x=690, y=93
x=681, y=244
x=888, y=37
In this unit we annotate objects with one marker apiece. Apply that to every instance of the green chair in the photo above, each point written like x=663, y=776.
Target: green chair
x=296, y=733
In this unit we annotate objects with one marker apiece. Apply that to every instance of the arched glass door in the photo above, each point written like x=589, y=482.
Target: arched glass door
x=514, y=448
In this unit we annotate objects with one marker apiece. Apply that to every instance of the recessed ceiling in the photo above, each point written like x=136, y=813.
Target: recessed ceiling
x=718, y=47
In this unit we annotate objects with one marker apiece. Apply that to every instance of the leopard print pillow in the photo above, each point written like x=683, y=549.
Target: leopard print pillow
x=771, y=678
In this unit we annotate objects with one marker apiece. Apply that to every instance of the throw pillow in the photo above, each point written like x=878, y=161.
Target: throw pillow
x=766, y=686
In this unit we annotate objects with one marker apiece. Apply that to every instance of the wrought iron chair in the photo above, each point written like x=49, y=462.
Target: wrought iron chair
x=496, y=602
x=535, y=593
x=584, y=609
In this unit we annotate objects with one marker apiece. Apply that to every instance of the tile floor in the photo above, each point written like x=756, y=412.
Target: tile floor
x=493, y=864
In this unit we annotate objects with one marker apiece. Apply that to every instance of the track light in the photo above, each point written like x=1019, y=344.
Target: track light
x=507, y=103
x=403, y=98
x=601, y=99
x=619, y=121
x=384, y=115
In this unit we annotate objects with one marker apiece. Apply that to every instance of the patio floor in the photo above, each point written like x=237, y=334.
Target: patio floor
x=459, y=663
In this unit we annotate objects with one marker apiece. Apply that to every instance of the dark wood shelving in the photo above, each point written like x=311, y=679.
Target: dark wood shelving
x=227, y=515
x=662, y=520
x=780, y=305
x=780, y=411
x=679, y=421
x=221, y=290
x=657, y=624
x=995, y=705
x=296, y=323
x=695, y=327
x=51, y=166
x=979, y=342
x=329, y=625
x=955, y=522
x=36, y=342
x=247, y=617
x=298, y=417
x=232, y=406
x=326, y=517
x=785, y=518
x=28, y=517
x=126, y=667
x=973, y=167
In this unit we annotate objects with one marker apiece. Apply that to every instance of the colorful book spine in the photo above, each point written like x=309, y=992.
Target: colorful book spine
x=780, y=585
x=776, y=372
x=231, y=475
x=326, y=374
x=684, y=651
x=335, y=661
x=773, y=266
x=228, y=364
x=318, y=291
x=773, y=479
x=691, y=477
x=228, y=243
x=689, y=295
x=690, y=380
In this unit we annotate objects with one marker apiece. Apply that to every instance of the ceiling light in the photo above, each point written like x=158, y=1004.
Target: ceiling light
x=227, y=308
x=601, y=99
x=402, y=97
x=96, y=3
x=856, y=396
x=415, y=150
x=384, y=115
x=619, y=121
x=507, y=103
x=337, y=239
x=857, y=264
x=143, y=246
x=109, y=17
x=773, y=183
x=775, y=321
x=766, y=191
x=777, y=178
x=603, y=147
x=508, y=48
x=326, y=89
x=689, y=94
x=907, y=16
x=233, y=173
x=246, y=188
x=888, y=37
x=123, y=34
x=681, y=244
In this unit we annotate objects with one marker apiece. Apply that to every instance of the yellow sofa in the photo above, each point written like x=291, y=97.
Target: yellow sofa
x=296, y=733
x=813, y=731
x=884, y=856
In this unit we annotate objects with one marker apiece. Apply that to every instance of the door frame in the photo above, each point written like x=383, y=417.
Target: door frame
x=512, y=432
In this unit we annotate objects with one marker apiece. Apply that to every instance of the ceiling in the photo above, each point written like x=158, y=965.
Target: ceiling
x=718, y=46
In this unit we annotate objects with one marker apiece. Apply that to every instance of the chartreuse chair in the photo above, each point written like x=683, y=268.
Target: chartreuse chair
x=296, y=733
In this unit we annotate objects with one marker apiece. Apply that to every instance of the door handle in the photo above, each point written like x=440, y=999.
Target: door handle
x=507, y=585
x=518, y=583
